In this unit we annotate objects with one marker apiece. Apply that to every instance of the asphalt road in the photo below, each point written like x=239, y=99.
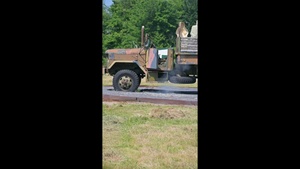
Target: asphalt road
x=167, y=95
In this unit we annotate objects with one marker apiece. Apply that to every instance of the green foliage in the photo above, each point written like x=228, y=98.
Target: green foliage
x=191, y=13
x=104, y=61
x=122, y=22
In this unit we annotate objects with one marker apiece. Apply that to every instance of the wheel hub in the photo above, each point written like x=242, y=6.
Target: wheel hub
x=125, y=82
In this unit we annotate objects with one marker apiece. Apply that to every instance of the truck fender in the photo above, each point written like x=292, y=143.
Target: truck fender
x=127, y=62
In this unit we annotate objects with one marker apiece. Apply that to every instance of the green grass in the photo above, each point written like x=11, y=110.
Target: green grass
x=107, y=81
x=143, y=135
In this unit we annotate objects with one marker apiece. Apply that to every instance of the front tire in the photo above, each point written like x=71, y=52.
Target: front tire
x=126, y=80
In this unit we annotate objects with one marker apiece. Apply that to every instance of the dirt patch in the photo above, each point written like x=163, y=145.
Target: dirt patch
x=109, y=103
x=170, y=113
x=112, y=156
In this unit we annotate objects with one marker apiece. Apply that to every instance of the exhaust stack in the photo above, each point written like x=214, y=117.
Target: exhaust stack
x=142, y=37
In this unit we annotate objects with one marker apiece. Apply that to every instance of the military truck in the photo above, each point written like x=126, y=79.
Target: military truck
x=180, y=65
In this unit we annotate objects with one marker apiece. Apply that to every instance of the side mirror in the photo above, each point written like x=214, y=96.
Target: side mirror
x=147, y=41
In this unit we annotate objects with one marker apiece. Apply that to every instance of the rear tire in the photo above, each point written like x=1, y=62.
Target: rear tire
x=126, y=80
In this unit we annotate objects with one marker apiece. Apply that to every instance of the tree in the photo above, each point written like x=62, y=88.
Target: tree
x=123, y=20
x=190, y=15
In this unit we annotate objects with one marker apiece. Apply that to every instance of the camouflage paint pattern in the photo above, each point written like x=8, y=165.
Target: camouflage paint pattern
x=133, y=55
x=187, y=59
x=152, y=58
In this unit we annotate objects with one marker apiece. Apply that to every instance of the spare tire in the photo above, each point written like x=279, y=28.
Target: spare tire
x=182, y=80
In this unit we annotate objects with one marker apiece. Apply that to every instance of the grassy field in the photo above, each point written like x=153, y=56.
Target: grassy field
x=107, y=81
x=144, y=135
